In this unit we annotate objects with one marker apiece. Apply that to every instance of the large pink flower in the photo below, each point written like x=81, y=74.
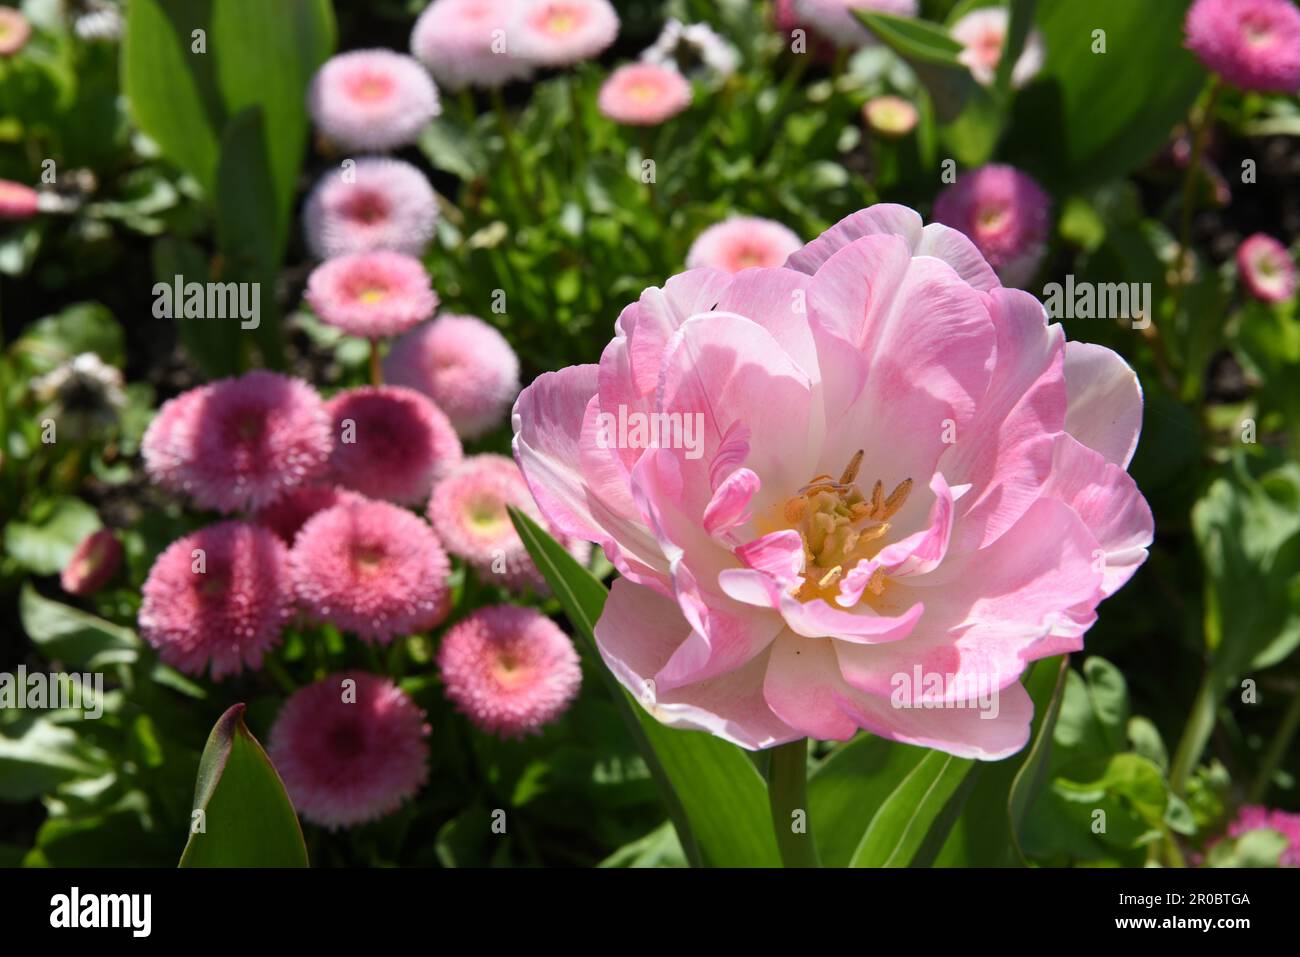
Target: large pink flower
x=1253, y=44
x=882, y=485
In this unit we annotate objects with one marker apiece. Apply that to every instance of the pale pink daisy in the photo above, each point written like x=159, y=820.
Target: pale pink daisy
x=743, y=242
x=372, y=294
x=898, y=468
x=1005, y=213
x=372, y=99
x=983, y=33
x=561, y=32
x=834, y=19
x=371, y=568
x=470, y=43
x=1253, y=44
x=468, y=510
x=510, y=670
x=464, y=365
x=379, y=203
x=643, y=94
x=288, y=513
x=18, y=201
x=14, y=31
x=350, y=749
x=890, y=116
x=93, y=563
x=390, y=442
x=1267, y=269
x=218, y=598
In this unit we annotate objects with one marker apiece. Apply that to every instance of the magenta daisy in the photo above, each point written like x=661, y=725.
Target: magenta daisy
x=468, y=510
x=372, y=99
x=1255, y=817
x=644, y=94
x=217, y=598
x=834, y=19
x=561, y=32
x=372, y=294
x=350, y=748
x=92, y=564
x=470, y=43
x=379, y=203
x=461, y=363
x=371, y=568
x=168, y=442
x=390, y=442
x=743, y=242
x=510, y=670
x=1266, y=268
x=18, y=201
x=1005, y=213
x=1253, y=44
x=288, y=513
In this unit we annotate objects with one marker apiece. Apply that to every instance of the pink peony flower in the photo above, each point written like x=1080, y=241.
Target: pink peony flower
x=372, y=294
x=983, y=33
x=561, y=32
x=93, y=563
x=1253, y=44
x=14, y=31
x=743, y=242
x=1005, y=213
x=390, y=442
x=217, y=597
x=380, y=204
x=239, y=443
x=1266, y=268
x=372, y=99
x=510, y=670
x=464, y=365
x=643, y=94
x=1254, y=817
x=468, y=510
x=371, y=568
x=871, y=467
x=470, y=43
x=350, y=748
x=835, y=21
x=288, y=513
x=16, y=200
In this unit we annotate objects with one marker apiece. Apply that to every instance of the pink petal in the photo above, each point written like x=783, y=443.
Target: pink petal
x=1105, y=410
x=730, y=503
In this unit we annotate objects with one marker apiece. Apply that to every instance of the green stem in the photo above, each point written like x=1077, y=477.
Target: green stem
x=1200, y=724
x=1277, y=749
x=376, y=368
x=1198, y=129
x=512, y=152
x=279, y=675
x=787, y=790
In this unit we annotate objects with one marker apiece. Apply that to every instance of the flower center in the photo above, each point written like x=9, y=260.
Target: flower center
x=840, y=527
x=370, y=295
x=560, y=22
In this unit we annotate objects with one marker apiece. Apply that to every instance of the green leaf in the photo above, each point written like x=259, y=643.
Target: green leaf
x=913, y=39
x=45, y=542
x=1032, y=774
x=715, y=795
x=247, y=819
x=1021, y=22
x=74, y=637
x=37, y=755
x=659, y=848
x=918, y=812
x=82, y=327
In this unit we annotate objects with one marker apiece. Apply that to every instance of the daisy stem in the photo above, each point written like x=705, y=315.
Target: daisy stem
x=787, y=789
x=512, y=152
x=1277, y=749
x=1199, y=727
x=279, y=675
x=1198, y=128
x=376, y=369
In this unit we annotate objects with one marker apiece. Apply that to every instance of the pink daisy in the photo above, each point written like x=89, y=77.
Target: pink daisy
x=982, y=33
x=240, y=443
x=14, y=31
x=390, y=442
x=461, y=363
x=1254, y=817
x=288, y=513
x=835, y=21
x=510, y=670
x=1266, y=267
x=372, y=294
x=371, y=568
x=468, y=510
x=372, y=99
x=743, y=242
x=16, y=200
x=380, y=203
x=1005, y=213
x=217, y=597
x=560, y=32
x=644, y=94
x=470, y=43
x=890, y=116
x=92, y=564
x=1253, y=44
x=350, y=748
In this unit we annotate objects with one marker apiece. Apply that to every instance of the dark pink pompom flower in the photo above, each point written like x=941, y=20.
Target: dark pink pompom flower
x=372, y=294
x=1266, y=268
x=390, y=442
x=169, y=441
x=217, y=597
x=510, y=670
x=350, y=748
x=1253, y=44
x=464, y=365
x=378, y=203
x=92, y=564
x=288, y=513
x=1255, y=817
x=371, y=568
x=1005, y=213
x=18, y=201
